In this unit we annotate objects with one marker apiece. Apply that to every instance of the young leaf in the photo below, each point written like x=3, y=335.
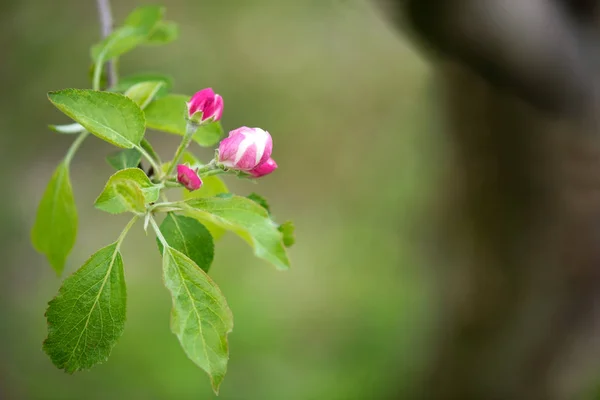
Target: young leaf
x=248, y=220
x=110, y=116
x=128, y=158
x=131, y=196
x=55, y=227
x=167, y=114
x=287, y=229
x=261, y=201
x=67, y=129
x=201, y=318
x=164, y=32
x=190, y=237
x=130, y=80
x=136, y=30
x=109, y=199
x=144, y=92
x=87, y=317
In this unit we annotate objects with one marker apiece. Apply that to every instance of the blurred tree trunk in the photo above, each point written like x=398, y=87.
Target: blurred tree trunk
x=520, y=290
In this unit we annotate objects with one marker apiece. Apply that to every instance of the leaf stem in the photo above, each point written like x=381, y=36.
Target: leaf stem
x=190, y=129
x=106, y=27
x=151, y=160
x=159, y=234
x=75, y=146
x=125, y=231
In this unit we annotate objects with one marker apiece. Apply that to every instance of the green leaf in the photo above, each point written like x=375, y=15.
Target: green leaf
x=55, y=228
x=201, y=318
x=67, y=129
x=128, y=158
x=137, y=29
x=110, y=116
x=130, y=195
x=168, y=113
x=87, y=317
x=287, y=229
x=248, y=220
x=144, y=92
x=130, y=80
x=261, y=201
x=190, y=237
x=110, y=201
x=164, y=32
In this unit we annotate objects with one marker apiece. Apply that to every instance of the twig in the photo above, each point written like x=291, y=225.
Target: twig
x=106, y=27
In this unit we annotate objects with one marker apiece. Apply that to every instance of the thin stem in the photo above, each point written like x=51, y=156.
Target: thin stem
x=75, y=146
x=125, y=230
x=159, y=234
x=190, y=129
x=106, y=27
x=147, y=156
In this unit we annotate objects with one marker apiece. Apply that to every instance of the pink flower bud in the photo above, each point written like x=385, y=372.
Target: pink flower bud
x=264, y=169
x=204, y=105
x=188, y=177
x=245, y=148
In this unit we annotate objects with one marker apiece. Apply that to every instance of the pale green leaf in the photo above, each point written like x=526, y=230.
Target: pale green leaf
x=190, y=237
x=128, y=81
x=109, y=200
x=144, y=92
x=87, y=317
x=67, y=129
x=288, y=229
x=164, y=32
x=110, y=116
x=136, y=30
x=201, y=318
x=55, y=227
x=248, y=220
x=130, y=195
x=128, y=158
x=168, y=113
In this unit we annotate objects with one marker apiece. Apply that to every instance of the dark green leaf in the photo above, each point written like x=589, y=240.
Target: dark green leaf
x=55, y=227
x=128, y=158
x=257, y=198
x=168, y=113
x=87, y=317
x=201, y=318
x=287, y=229
x=189, y=237
x=144, y=92
x=110, y=116
x=164, y=32
x=248, y=220
x=109, y=199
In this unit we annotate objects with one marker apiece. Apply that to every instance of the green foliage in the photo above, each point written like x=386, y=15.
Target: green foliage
x=248, y=220
x=110, y=116
x=167, y=114
x=288, y=229
x=142, y=93
x=190, y=237
x=112, y=202
x=55, y=228
x=128, y=158
x=87, y=317
x=201, y=318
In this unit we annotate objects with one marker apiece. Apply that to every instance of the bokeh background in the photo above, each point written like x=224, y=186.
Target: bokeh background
x=346, y=100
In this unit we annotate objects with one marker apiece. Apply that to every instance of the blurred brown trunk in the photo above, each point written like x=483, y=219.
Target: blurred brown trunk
x=520, y=290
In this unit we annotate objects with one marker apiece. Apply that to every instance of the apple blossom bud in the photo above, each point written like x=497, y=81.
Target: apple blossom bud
x=188, y=177
x=264, y=169
x=245, y=148
x=205, y=105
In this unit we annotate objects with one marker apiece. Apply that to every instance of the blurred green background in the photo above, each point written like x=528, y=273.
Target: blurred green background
x=345, y=99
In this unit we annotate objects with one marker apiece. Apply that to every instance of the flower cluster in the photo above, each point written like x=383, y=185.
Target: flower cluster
x=245, y=150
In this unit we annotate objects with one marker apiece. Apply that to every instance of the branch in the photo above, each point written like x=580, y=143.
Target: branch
x=106, y=27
